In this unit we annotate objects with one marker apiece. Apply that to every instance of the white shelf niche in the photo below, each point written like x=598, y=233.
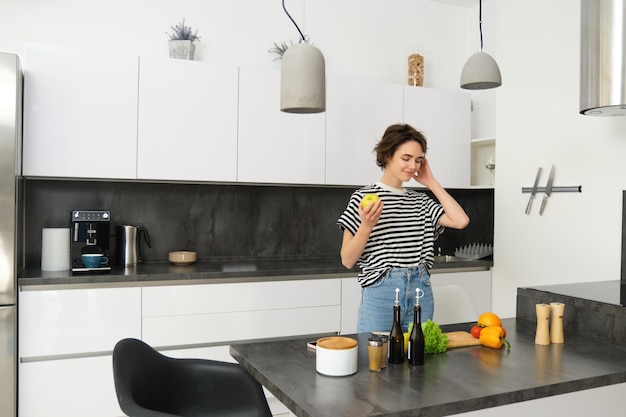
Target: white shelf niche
x=481, y=150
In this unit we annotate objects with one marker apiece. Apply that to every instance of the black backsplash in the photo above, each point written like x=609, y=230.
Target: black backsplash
x=223, y=221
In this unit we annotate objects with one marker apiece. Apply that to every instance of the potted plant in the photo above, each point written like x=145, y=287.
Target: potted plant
x=181, y=41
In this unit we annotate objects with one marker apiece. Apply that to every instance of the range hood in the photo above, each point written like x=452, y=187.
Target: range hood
x=603, y=57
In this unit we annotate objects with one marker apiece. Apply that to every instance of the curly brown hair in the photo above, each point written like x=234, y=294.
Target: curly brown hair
x=394, y=136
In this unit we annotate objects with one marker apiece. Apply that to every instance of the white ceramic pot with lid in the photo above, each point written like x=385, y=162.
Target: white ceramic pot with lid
x=336, y=356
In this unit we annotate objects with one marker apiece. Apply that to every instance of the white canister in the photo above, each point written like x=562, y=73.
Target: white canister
x=55, y=249
x=336, y=356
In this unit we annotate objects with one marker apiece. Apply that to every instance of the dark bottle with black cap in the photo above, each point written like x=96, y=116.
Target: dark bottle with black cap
x=416, y=339
x=396, y=336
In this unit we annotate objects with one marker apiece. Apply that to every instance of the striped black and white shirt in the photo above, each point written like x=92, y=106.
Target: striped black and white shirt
x=404, y=235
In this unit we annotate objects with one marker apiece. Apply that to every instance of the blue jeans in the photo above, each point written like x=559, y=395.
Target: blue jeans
x=377, y=300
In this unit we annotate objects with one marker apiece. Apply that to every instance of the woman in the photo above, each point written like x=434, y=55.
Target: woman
x=393, y=239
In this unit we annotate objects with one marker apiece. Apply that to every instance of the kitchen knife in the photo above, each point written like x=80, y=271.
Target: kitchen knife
x=548, y=190
x=533, y=192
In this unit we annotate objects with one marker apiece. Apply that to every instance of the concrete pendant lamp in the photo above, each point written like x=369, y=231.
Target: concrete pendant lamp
x=302, y=77
x=481, y=71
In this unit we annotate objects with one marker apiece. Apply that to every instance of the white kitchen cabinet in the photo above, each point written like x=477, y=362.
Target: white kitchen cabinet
x=350, y=302
x=475, y=284
x=223, y=313
x=444, y=116
x=80, y=113
x=187, y=126
x=358, y=112
x=75, y=321
x=76, y=387
x=66, y=339
x=276, y=147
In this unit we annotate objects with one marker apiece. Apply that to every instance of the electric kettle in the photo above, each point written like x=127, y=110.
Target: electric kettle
x=128, y=244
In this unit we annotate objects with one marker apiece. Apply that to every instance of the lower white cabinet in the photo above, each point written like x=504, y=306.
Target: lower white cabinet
x=350, y=301
x=65, y=342
x=76, y=387
x=76, y=321
x=224, y=313
x=475, y=284
x=67, y=336
x=221, y=314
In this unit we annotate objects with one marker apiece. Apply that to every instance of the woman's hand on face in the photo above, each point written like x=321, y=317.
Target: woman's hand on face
x=424, y=175
x=371, y=214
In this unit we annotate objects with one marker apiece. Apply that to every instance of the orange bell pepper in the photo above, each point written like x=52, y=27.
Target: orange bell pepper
x=493, y=337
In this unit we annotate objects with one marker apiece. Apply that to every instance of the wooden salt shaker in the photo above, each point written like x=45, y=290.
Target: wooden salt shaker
x=542, y=335
x=556, y=325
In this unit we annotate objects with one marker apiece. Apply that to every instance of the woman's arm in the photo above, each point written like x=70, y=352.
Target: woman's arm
x=352, y=246
x=454, y=216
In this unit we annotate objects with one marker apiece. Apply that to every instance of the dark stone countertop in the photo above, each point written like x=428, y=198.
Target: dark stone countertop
x=219, y=271
x=460, y=380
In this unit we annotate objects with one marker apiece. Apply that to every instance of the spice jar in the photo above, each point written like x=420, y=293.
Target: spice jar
x=385, y=351
x=374, y=353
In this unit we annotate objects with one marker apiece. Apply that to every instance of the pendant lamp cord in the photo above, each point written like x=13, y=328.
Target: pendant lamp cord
x=296, y=25
x=480, y=22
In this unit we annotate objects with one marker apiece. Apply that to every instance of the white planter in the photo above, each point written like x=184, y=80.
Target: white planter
x=181, y=49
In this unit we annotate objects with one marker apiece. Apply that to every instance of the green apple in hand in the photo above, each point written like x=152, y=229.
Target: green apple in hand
x=369, y=199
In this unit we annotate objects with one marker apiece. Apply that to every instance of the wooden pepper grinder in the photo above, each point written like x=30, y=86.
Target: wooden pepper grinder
x=556, y=325
x=542, y=335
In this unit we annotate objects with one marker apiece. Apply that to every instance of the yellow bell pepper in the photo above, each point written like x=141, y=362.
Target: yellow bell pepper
x=493, y=337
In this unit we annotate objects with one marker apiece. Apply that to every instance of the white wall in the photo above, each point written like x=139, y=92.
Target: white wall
x=536, y=118
x=578, y=238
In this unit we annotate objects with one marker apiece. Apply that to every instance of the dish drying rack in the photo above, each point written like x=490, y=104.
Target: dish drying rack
x=474, y=251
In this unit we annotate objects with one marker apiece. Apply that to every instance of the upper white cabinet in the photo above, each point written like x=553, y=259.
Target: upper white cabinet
x=187, y=128
x=80, y=113
x=445, y=119
x=116, y=116
x=358, y=112
x=276, y=147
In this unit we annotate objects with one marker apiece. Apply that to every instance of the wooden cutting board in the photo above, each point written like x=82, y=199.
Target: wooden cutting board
x=461, y=339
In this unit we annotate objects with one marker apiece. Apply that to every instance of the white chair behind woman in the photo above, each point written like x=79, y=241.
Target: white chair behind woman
x=452, y=305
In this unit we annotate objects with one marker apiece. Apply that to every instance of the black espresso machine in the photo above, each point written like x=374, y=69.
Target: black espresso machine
x=90, y=232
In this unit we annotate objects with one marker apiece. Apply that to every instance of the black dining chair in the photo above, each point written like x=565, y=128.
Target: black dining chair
x=149, y=384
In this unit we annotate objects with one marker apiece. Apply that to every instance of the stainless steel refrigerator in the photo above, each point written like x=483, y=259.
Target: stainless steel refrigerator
x=11, y=225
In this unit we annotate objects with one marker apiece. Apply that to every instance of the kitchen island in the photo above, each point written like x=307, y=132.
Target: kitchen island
x=460, y=380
